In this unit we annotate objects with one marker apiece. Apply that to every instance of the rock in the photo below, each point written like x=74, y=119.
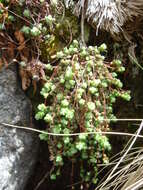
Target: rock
x=18, y=148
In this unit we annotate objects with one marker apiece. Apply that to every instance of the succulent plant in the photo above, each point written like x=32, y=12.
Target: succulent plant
x=82, y=94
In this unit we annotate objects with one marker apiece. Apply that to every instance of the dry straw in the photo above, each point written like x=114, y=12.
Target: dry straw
x=129, y=176
x=110, y=15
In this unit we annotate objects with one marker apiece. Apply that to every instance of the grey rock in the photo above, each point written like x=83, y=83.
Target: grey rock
x=18, y=148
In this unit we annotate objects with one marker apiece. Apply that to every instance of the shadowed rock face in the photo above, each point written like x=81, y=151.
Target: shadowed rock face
x=17, y=148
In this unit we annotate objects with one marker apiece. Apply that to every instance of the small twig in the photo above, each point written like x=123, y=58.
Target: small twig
x=135, y=61
x=44, y=178
x=22, y=18
x=82, y=22
x=73, y=134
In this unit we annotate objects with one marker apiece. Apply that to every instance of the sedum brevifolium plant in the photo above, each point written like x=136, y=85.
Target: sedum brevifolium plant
x=81, y=90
